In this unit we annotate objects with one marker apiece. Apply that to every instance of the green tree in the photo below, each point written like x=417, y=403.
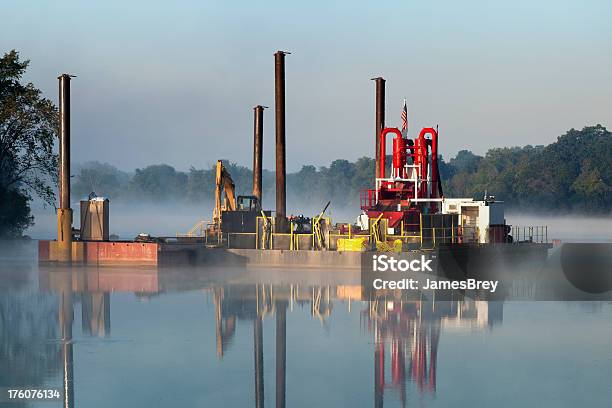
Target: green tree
x=591, y=187
x=303, y=187
x=28, y=127
x=200, y=185
x=158, y=183
x=574, y=173
x=465, y=160
x=15, y=214
x=102, y=178
x=363, y=178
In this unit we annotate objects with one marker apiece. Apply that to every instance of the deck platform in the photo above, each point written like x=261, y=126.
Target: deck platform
x=128, y=253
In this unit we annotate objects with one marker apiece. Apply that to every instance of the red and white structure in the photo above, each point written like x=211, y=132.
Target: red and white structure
x=412, y=185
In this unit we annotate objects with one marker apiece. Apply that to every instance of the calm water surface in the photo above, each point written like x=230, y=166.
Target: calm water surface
x=229, y=338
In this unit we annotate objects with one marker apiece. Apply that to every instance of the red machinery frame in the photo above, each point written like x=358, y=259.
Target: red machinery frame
x=413, y=186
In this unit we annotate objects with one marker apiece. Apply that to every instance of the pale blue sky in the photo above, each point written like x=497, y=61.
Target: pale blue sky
x=175, y=82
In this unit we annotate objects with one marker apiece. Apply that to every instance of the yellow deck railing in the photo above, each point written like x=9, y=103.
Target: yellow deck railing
x=322, y=237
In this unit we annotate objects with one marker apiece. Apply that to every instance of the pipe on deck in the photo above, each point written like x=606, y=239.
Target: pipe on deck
x=399, y=144
x=436, y=189
x=420, y=160
x=436, y=185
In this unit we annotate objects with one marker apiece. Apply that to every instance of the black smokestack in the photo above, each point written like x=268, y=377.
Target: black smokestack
x=279, y=98
x=64, y=146
x=257, y=150
x=380, y=117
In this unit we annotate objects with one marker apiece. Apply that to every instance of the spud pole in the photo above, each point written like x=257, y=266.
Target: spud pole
x=64, y=212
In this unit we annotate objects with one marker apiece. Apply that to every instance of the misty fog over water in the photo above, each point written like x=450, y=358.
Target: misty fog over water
x=568, y=228
x=128, y=220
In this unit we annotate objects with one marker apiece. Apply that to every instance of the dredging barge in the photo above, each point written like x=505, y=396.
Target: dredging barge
x=405, y=211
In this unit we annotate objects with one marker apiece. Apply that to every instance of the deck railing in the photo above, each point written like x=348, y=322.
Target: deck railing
x=323, y=237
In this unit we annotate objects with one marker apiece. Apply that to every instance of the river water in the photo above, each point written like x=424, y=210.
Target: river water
x=126, y=337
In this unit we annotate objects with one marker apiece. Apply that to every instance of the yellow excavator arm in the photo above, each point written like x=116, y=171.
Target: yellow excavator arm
x=223, y=182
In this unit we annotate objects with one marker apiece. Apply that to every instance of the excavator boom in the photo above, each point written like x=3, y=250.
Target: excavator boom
x=223, y=182
x=233, y=213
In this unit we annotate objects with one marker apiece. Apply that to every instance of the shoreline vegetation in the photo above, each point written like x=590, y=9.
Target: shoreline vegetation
x=573, y=174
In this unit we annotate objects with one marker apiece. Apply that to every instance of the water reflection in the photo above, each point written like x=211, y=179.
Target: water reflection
x=66, y=318
x=409, y=328
x=255, y=302
x=403, y=331
x=28, y=319
x=95, y=312
x=411, y=331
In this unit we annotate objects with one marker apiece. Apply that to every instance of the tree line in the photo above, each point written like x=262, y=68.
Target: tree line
x=572, y=174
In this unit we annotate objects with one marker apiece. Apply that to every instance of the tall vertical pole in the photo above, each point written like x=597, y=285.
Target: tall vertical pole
x=257, y=150
x=64, y=150
x=380, y=118
x=64, y=212
x=281, y=353
x=279, y=99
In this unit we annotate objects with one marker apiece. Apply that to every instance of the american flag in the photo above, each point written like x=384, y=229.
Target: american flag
x=405, y=117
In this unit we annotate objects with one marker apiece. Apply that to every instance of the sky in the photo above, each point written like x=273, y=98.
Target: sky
x=176, y=81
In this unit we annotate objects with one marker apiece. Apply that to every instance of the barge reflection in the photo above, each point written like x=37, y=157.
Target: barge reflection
x=405, y=330
x=409, y=328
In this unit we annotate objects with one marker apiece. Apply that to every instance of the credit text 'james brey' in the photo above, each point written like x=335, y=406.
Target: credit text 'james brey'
x=384, y=263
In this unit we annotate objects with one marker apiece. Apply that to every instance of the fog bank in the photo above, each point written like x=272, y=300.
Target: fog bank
x=567, y=228
x=128, y=220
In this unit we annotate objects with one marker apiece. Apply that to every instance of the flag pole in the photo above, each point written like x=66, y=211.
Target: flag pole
x=405, y=130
